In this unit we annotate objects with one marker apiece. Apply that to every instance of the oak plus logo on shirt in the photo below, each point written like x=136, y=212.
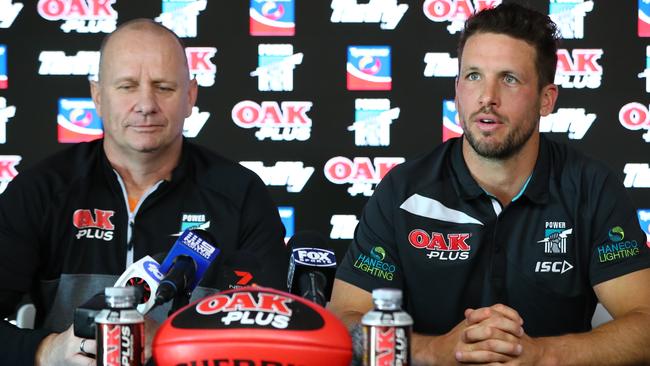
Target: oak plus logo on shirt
x=443, y=247
x=93, y=224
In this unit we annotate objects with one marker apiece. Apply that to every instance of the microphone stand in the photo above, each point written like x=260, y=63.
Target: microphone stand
x=181, y=299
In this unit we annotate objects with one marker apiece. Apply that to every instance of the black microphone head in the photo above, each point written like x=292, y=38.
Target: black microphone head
x=240, y=269
x=307, y=238
x=310, y=253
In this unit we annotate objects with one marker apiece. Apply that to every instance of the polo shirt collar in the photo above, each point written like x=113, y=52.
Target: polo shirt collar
x=467, y=188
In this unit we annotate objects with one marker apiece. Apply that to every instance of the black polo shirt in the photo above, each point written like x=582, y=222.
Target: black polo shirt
x=432, y=231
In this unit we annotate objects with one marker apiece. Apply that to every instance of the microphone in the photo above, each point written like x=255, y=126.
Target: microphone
x=185, y=265
x=311, y=267
x=143, y=274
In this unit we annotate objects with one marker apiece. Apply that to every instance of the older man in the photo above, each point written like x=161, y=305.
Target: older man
x=137, y=185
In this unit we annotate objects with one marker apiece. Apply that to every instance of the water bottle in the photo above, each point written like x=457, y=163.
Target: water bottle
x=387, y=330
x=120, y=329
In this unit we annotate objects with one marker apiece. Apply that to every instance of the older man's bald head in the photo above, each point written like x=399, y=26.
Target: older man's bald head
x=139, y=25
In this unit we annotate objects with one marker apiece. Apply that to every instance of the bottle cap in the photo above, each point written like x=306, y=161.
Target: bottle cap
x=387, y=294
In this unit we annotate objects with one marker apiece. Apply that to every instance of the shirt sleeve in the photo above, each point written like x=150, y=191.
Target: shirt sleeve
x=372, y=259
x=262, y=235
x=618, y=243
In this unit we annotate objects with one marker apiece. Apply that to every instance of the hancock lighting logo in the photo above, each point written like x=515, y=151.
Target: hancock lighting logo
x=618, y=248
x=455, y=11
x=8, y=169
x=574, y=121
x=195, y=122
x=78, y=121
x=291, y=174
x=361, y=172
x=288, y=218
x=82, y=16
x=440, y=64
x=569, y=15
x=6, y=112
x=272, y=18
x=644, y=18
x=343, y=226
x=9, y=12
x=58, y=63
x=368, y=68
x=4, y=78
x=442, y=247
x=275, y=64
x=372, y=120
x=201, y=67
x=375, y=264
x=635, y=116
x=450, y=123
x=181, y=16
x=287, y=121
x=387, y=13
x=644, y=221
x=636, y=175
x=93, y=224
x=646, y=72
x=579, y=69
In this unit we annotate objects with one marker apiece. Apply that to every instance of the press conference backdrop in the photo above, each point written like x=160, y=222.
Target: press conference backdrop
x=322, y=97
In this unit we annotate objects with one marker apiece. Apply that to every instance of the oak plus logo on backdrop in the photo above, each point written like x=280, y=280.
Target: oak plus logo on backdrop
x=6, y=112
x=275, y=64
x=569, y=15
x=362, y=173
x=579, y=69
x=200, y=64
x=455, y=11
x=450, y=123
x=635, y=116
x=368, y=68
x=8, y=169
x=78, y=121
x=573, y=121
x=4, y=77
x=58, y=63
x=291, y=174
x=387, y=13
x=180, y=16
x=8, y=12
x=372, y=120
x=82, y=16
x=285, y=121
x=272, y=18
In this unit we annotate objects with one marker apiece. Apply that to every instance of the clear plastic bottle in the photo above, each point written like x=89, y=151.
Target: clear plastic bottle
x=120, y=329
x=387, y=330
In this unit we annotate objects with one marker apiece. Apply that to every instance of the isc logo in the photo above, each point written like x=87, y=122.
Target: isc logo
x=553, y=267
